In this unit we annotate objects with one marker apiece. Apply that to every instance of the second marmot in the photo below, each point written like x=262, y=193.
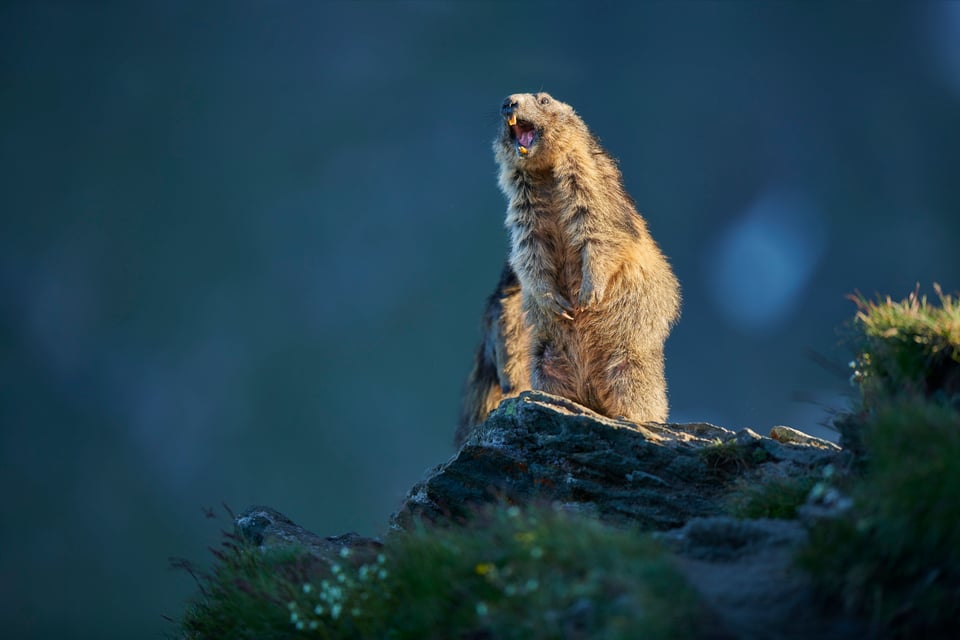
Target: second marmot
x=598, y=296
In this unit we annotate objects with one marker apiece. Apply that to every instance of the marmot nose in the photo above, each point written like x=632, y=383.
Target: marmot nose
x=509, y=105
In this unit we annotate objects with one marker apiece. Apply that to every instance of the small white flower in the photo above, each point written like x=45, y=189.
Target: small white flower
x=513, y=511
x=318, y=610
x=335, y=611
x=382, y=574
x=536, y=553
x=816, y=493
x=307, y=588
x=344, y=552
x=335, y=567
x=482, y=609
x=381, y=558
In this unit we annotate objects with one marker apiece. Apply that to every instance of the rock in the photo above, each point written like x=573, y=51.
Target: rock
x=542, y=448
x=788, y=435
x=267, y=528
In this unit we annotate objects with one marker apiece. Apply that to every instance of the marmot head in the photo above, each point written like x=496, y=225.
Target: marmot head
x=534, y=126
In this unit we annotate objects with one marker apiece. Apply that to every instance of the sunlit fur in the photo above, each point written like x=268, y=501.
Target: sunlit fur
x=580, y=249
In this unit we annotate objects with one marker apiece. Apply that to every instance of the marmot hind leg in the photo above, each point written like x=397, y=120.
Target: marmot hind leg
x=633, y=387
x=552, y=371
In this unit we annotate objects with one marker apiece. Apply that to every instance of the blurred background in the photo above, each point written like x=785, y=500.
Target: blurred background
x=244, y=246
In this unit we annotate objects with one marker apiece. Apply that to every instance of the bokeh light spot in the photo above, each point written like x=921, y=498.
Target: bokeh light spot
x=761, y=264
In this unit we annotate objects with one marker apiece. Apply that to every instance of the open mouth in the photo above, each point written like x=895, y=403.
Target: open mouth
x=523, y=133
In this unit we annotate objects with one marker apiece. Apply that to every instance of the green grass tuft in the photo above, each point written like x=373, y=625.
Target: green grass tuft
x=896, y=556
x=728, y=458
x=775, y=498
x=248, y=591
x=509, y=573
x=907, y=347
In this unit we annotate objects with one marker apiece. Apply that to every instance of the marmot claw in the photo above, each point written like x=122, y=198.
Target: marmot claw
x=558, y=304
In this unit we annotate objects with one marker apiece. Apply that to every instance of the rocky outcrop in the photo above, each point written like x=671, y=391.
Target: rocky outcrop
x=539, y=448
x=542, y=448
x=670, y=478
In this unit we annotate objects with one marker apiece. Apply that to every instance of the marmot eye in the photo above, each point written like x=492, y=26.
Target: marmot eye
x=544, y=100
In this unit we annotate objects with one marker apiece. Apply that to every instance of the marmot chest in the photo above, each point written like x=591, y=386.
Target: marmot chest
x=558, y=252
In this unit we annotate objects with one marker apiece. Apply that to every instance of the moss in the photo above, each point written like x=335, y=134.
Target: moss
x=896, y=556
x=510, y=573
x=775, y=498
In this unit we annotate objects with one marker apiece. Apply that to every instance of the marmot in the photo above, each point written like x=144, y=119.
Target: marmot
x=598, y=296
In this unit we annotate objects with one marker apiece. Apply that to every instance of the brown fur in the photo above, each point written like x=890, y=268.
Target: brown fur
x=598, y=296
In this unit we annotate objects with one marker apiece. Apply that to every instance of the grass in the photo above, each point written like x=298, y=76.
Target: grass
x=911, y=347
x=774, y=498
x=895, y=557
x=248, y=592
x=510, y=573
x=728, y=458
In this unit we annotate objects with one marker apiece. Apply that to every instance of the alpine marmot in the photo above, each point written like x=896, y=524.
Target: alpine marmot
x=597, y=298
